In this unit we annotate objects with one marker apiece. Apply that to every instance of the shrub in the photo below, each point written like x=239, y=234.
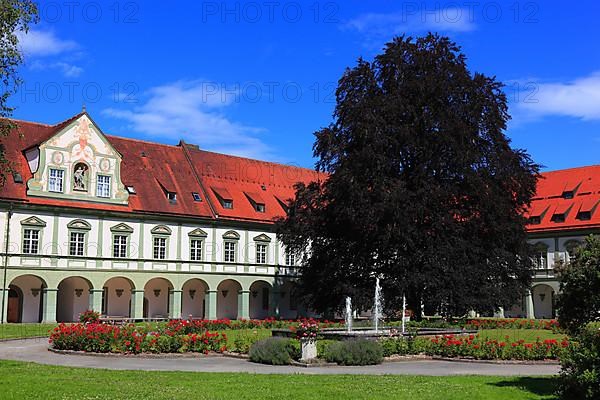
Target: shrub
x=273, y=350
x=580, y=374
x=355, y=352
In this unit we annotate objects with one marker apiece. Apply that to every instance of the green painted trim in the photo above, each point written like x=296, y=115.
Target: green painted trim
x=64, y=178
x=161, y=230
x=179, y=229
x=79, y=224
x=40, y=242
x=85, y=242
x=100, y=236
x=202, y=253
x=110, y=186
x=55, y=235
x=247, y=247
x=141, y=244
x=167, y=244
x=121, y=228
x=214, y=244
x=127, y=247
x=34, y=221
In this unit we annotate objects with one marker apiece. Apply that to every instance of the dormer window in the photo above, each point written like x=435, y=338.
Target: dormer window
x=584, y=215
x=196, y=196
x=558, y=218
x=131, y=190
x=103, y=186
x=568, y=194
x=260, y=207
x=228, y=204
x=172, y=197
x=56, y=180
x=224, y=197
x=535, y=220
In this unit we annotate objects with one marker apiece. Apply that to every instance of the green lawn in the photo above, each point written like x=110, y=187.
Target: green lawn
x=249, y=335
x=15, y=331
x=34, y=381
x=529, y=335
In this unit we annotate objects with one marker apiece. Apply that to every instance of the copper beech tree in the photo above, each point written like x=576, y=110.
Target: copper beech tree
x=423, y=189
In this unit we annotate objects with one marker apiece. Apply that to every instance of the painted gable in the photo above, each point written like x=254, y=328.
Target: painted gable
x=84, y=155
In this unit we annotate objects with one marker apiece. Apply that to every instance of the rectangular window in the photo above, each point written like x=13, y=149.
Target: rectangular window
x=55, y=180
x=290, y=259
x=228, y=204
x=260, y=207
x=160, y=248
x=76, y=243
x=229, y=255
x=31, y=241
x=196, y=250
x=261, y=253
x=103, y=187
x=120, y=246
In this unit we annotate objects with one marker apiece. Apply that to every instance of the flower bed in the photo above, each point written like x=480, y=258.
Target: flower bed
x=175, y=336
x=472, y=346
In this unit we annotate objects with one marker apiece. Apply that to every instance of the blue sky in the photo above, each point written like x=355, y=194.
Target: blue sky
x=257, y=78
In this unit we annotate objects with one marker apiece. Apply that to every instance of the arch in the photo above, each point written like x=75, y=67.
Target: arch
x=31, y=287
x=161, y=230
x=260, y=299
x=72, y=299
x=193, y=298
x=543, y=301
x=571, y=246
x=116, y=297
x=540, y=255
x=81, y=176
x=156, y=298
x=227, y=298
x=288, y=304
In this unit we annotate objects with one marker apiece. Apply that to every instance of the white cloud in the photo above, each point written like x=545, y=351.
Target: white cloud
x=376, y=26
x=37, y=43
x=578, y=98
x=68, y=70
x=193, y=111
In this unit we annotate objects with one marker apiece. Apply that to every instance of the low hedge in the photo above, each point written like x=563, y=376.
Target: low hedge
x=355, y=352
x=580, y=373
x=274, y=351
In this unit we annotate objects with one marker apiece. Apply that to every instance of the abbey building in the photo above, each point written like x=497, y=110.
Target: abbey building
x=134, y=229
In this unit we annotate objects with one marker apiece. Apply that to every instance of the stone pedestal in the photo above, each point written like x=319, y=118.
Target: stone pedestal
x=309, y=349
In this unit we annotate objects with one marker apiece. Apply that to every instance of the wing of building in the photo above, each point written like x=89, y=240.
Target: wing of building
x=135, y=229
x=563, y=212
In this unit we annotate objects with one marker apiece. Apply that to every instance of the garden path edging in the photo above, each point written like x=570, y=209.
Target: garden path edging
x=149, y=355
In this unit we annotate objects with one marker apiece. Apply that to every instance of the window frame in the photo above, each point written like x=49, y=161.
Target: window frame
x=62, y=182
x=98, y=193
x=199, y=248
x=127, y=244
x=232, y=251
x=262, y=253
x=38, y=240
x=155, y=238
x=82, y=243
x=290, y=255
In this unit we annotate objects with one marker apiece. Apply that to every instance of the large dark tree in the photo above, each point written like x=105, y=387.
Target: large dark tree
x=15, y=18
x=423, y=188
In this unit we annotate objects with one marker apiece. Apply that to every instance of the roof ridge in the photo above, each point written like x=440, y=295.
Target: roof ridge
x=570, y=169
x=30, y=122
x=141, y=140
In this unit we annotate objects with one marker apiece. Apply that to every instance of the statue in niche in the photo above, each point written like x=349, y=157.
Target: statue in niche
x=80, y=177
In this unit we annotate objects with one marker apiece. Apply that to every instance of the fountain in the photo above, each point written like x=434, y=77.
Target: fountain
x=377, y=305
x=348, y=314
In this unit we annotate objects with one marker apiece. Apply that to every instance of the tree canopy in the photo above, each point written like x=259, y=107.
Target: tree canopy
x=15, y=17
x=423, y=188
x=578, y=302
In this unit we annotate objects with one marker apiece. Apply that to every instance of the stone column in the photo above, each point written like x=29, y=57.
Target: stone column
x=210, y=305
x=96, y=300
x=49, y=305
x=529, y=310
x=4, y=295
x=243, y=304
x=175, y=304
x=137, y=304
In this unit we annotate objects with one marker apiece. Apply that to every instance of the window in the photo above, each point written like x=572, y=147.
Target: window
x=229, y=254
x=196, y=250
x=103, y=188
x=228, y=204
x=130, y=190
x=172, y=197
x=568, y=194
x=540, y=256
x=55, y=180
x=261, y=253
x=76, y=243
x=31, y=241
x=260, y=207
x=558, y=218
x=535, y=220
x=196, y=196
x=290, y=259
x=160, y=248
x=120, y=246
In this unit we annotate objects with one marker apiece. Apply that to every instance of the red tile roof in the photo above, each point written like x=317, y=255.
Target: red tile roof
x=549, y=199
x=153, y=168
